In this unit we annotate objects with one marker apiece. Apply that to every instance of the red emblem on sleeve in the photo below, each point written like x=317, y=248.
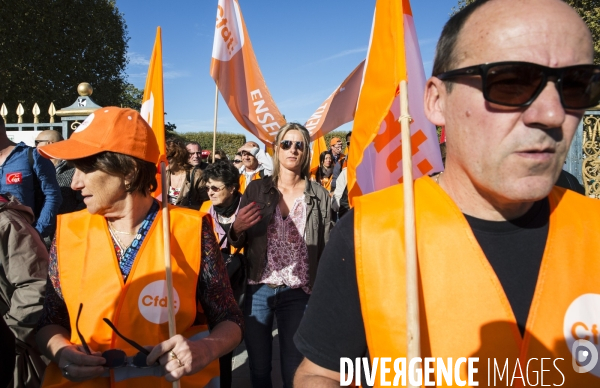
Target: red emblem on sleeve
x=13, y=178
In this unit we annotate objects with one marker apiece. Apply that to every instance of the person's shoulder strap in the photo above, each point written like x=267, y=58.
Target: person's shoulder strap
x=30, y=158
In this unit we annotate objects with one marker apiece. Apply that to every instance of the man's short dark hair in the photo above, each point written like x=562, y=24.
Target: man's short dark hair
x=445, y=56
x=222, y=171
x=193, y=143
x=348, y=135
x=143, y=173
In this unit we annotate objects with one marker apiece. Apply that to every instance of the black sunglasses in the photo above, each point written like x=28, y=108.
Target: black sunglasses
x=287, y=144
x=237, y=161
x=37, y=142
x=116, y=358
x=518, y=84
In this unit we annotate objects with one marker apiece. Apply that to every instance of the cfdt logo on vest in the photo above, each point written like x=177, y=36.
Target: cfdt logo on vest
x=581, y=331
x=152, y=302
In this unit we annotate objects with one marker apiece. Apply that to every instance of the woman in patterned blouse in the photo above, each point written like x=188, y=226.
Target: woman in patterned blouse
x=284, y=223
x=115, y=153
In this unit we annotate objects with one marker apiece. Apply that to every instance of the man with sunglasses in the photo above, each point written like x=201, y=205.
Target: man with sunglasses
x=506, y=271
x=255, y=164
x=72, y=200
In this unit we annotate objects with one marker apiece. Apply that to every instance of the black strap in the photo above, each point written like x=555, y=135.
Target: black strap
x=223, y=240
x=30, y=157
x=39, y=197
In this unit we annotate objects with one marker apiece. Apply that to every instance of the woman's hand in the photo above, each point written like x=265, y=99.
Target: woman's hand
x=76, y=365
x=180, y=357
x=247, y=216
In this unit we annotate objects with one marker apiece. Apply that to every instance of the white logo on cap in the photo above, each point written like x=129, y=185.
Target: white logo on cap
x=581, y=328
x=152, y=302
x=85, y=123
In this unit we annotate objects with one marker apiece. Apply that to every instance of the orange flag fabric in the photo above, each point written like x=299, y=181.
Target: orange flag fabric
x=318, y=147
x=235, y=70
x=339, y=107
x=153, y=105
x=376, y=158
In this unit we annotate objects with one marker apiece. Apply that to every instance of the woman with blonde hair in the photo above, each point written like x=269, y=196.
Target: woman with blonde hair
x=283, y=223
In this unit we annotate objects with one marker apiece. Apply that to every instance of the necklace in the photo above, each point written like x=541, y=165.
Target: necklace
x=122, y=246
x=111, y=227
x=437, y=177
x=225, y=220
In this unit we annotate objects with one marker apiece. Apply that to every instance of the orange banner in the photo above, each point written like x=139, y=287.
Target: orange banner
x=339, y=107
x=318, y=148
x=376, y=159
x=235, y=70
x=153, y=105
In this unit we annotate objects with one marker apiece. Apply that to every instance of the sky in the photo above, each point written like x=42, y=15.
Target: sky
x=305, y=49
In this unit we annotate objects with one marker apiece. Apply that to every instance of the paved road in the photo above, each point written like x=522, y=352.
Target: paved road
x=241, y=370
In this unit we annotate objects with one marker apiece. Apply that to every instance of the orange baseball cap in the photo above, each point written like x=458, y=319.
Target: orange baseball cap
x=334, y=141
x=121, y=130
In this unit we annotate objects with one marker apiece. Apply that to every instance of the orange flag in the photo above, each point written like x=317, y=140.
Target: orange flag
x=393, y=56
x=153, y=106
x=318, y=147
x=237, y=75
x=339, y=107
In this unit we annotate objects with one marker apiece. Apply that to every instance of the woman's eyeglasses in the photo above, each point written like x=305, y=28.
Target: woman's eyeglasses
x=116, y=358
x=287, y=144
x=213, y=188
x=518, y=84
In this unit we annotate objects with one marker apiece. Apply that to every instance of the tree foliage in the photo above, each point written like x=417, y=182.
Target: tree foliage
x=49, y=46
x=589, y=10
x=132, y=97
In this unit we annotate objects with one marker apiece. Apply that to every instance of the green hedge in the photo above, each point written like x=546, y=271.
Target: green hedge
x=228, y=142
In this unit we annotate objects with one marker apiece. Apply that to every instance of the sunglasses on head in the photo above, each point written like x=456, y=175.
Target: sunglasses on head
x=287, y=144
x=213, y=188
x=518, y=84
x=116, y=358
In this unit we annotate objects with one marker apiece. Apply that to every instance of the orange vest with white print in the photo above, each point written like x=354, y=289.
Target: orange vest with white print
x=89, y=274
x=243, y=183
x=464, y=311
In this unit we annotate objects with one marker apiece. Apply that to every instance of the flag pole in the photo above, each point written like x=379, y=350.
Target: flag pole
x=412, y=273
x=215, y=125
x=167, y=252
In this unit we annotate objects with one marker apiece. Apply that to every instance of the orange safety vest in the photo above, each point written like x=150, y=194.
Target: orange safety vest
x=464, y=311
x=90, y=274
x=256, y=176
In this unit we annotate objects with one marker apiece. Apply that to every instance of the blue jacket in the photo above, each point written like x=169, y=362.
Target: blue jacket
x=18, y=179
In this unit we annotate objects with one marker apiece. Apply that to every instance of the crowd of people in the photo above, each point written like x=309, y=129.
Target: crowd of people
x=505, y=260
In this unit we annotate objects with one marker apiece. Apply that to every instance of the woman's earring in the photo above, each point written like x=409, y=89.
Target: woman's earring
x=127, y=186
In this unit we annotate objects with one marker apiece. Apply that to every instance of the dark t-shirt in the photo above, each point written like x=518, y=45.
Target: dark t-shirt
x=333, y=327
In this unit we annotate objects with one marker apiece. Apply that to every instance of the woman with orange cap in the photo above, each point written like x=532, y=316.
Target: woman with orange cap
x=107, y=293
